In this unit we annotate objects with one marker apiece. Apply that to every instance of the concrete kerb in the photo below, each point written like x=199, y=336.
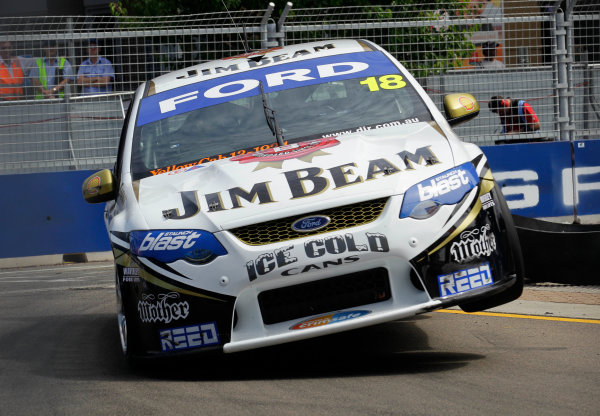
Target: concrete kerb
x=54, y=259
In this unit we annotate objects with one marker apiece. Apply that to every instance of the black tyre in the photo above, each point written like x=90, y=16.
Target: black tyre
x=127, y=327
x=515, y=260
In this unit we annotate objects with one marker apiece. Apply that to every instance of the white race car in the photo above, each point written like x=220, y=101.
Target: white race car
x=296, y=192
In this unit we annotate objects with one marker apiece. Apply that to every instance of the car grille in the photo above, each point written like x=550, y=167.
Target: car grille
x=327, y=295
x=281, y=230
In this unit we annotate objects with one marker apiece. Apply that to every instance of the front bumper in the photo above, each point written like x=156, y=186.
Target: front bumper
x=425, y=264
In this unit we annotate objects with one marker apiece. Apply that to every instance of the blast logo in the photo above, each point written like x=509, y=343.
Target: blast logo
x=444, y=184
x=473, y=244
x=161, y=310
x=170, y=240
x=171, y=245
x=188, y=337
x=447, y=188
x=465, y=280
x=329, y=319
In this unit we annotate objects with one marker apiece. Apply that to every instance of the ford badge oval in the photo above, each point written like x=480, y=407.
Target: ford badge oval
x=307, y=224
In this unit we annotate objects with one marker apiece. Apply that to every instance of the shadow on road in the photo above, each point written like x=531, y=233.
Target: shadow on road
x=87, y=347
x=398, y=347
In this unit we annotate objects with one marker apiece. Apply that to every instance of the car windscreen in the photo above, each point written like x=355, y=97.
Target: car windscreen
x=331, y=106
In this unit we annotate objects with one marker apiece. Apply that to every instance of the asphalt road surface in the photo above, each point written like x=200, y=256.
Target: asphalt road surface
x=60, y=355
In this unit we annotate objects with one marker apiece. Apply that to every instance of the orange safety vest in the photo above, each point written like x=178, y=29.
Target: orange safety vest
x=11, y=93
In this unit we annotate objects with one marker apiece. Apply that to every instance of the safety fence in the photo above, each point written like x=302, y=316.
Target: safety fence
x=532, y=50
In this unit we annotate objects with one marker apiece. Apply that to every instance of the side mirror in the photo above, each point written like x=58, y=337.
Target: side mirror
x=460, y=107
x=100, y=187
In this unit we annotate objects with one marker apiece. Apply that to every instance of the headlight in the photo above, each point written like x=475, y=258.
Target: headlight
x=167, y=246
x=424, y=199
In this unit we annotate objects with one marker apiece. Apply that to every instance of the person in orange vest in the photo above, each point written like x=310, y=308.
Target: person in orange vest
x=51, y=73
x=11, y=73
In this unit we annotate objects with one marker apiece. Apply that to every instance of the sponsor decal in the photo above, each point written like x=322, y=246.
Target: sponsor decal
x=174, y=169
x=93, y=185
x=246, y=83
x=446, y=188
x=257, y=53
x=444, y=184
x=256, y=59
x=467, y=103
x=386, y=82
x=394, y=123
x=314, y=249
x=307, y=182
x=131, y=274
x=185, y=168
x=487, y=201
x=329, y=319
x=274, y=157
x=268, y=262
x=473, y=244
x=465, y=280
x=152, y=310
x=188, y=337
x=168, y=246
x=314, y=223
x=322, y=265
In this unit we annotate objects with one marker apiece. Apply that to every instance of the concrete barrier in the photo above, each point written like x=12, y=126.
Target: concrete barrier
x=557, y=183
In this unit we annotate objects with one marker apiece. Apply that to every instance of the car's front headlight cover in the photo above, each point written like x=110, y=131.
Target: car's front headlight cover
x=167, y=246
x=424, y=199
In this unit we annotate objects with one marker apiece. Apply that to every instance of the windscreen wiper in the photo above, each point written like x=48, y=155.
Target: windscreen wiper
x=271, y=117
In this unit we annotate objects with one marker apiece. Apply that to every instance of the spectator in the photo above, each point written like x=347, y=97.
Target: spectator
x=11, y=73
x=516, y=116
x=51, y=73
x=27, y=64
x=95, y=74
x=489, y=61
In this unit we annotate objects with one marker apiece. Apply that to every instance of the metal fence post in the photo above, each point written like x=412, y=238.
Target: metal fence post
x=281, y=22
x=67, y=99
x=563, y=88
x=264, y=26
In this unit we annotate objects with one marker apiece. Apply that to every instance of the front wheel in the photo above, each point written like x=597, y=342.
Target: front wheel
x=127, y=328
x=514, y=262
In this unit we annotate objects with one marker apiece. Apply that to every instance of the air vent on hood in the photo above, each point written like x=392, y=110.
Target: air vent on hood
x=281, y=230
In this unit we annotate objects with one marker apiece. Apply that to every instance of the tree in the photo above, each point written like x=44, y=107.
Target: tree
x=426, y=43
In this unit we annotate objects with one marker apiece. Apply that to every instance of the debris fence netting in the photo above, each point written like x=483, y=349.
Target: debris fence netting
x=531, y=50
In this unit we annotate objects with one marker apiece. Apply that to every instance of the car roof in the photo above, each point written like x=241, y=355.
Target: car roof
x=255, y=59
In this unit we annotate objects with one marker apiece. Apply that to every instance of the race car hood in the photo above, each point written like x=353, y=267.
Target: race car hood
x=294, y=179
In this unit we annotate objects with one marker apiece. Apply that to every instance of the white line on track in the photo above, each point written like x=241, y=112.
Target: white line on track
x=54, y=269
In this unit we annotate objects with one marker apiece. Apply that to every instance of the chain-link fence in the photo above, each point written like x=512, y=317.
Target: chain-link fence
x=531, y=50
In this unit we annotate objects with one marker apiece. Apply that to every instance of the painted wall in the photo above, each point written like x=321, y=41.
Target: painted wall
x=544, y=180
x=44, y=213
